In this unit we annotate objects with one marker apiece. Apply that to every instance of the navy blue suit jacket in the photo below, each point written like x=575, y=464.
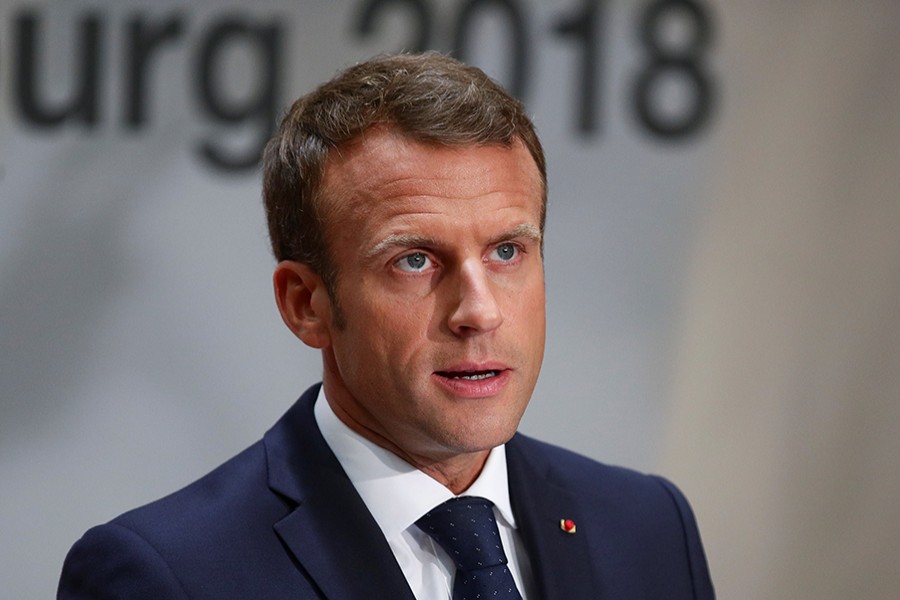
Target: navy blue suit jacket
x=281, y=520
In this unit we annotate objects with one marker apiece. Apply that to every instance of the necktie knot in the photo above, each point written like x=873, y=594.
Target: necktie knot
x=466, y=529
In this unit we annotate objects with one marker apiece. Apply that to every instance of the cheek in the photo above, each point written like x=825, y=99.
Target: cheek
x=529, y=305
x=387, y=330
x=407, y=312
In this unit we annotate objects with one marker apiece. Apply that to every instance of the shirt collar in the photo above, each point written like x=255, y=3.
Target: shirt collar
x=395, y=492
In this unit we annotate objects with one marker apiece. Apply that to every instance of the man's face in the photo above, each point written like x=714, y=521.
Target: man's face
x=441, y=287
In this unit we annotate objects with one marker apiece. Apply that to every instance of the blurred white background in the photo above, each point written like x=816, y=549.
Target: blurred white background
x=722, y=254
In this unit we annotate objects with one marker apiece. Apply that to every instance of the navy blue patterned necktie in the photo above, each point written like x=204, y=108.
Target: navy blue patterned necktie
x=465, y=528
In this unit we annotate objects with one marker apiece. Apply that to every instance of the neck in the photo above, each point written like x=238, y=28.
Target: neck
x=455, y=471
x=456, y=474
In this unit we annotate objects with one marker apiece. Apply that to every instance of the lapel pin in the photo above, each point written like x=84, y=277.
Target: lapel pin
x=567, y=525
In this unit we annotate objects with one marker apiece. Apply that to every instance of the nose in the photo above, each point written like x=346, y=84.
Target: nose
x=476, y=309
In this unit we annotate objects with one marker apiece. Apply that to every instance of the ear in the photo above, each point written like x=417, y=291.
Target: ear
x=303, y=302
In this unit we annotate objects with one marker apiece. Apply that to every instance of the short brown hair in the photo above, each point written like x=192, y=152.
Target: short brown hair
x=429, y=98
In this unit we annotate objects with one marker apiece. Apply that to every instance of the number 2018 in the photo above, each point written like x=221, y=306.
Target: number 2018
x=663, y=62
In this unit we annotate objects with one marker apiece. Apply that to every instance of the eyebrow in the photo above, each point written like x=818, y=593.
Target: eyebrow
x=410, y=240
x=525, y=230
x=400, y=240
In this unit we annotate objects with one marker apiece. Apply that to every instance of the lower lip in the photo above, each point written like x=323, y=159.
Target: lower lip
x=475, y=388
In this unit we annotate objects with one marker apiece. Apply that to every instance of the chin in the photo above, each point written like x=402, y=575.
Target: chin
x=480, y=440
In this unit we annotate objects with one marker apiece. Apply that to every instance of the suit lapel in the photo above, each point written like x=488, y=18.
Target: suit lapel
x=560, y=561
x=331, y=533
x=338, y=544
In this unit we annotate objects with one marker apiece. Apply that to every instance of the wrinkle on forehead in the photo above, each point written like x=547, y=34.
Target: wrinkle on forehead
x=400, y=175
x=387, y=151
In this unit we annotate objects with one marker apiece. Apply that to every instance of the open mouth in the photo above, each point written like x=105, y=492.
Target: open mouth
x=469, y=375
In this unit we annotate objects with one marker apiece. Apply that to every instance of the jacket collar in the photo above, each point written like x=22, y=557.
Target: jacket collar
x=330, y=532
x=560, y=560
x=330, y=525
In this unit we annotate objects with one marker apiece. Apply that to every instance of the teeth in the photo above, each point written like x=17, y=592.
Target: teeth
x=475, y=376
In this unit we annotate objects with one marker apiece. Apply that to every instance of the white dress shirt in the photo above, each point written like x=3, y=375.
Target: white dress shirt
x=397, y=494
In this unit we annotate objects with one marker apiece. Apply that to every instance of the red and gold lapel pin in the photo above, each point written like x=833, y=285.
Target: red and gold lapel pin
x=567, y=525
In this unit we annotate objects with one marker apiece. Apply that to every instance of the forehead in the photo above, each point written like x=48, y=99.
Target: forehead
x=385, y=167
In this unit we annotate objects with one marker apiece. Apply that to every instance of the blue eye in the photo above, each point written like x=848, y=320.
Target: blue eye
x=505, y=252
x=413, y=263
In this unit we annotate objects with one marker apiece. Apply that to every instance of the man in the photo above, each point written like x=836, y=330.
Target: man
x=406, y=202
